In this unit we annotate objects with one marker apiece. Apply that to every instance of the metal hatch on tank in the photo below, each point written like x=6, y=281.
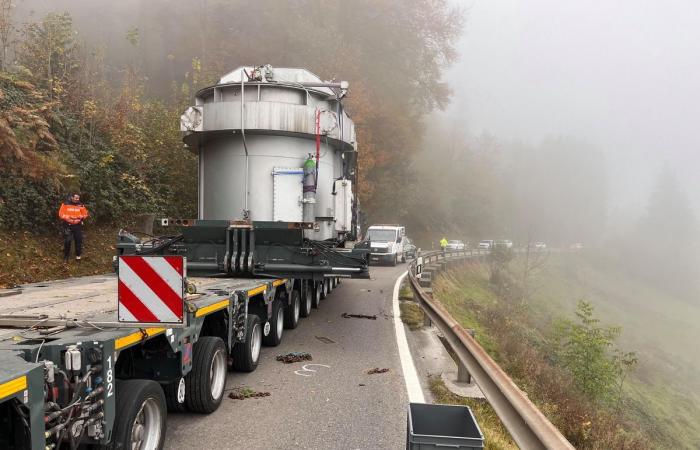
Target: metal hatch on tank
x=277, y=156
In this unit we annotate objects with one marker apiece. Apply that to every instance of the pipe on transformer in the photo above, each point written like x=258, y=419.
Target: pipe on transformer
x=246, y=210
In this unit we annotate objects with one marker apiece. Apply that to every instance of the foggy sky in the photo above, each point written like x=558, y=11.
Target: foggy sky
x=622, y=75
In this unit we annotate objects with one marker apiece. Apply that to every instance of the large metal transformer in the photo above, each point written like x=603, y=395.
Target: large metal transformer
x=255, y=130
x=277, y=158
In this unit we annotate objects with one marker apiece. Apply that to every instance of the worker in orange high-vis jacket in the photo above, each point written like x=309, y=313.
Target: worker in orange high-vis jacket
x=72, y=214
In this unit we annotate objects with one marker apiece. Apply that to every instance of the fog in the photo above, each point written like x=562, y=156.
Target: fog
x=622, y=75
x=572, y=125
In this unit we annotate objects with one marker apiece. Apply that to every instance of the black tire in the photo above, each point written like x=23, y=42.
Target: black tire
x=245, y=355
x=143, y=400
x=276, y=325
x=403, y=258
x=317, y=295
x=395, y=260
x=206, y=382
x=325, y=289
x=172, y=400
x=291, y=311
x=306, y=302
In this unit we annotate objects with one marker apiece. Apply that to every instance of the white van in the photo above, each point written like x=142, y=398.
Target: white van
x=386, y=243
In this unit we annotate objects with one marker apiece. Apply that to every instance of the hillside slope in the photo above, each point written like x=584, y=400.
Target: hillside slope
x=659, y=406
x=663, y=330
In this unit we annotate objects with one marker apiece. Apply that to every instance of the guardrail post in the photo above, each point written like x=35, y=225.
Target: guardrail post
x=426, y=321
x=463, y=374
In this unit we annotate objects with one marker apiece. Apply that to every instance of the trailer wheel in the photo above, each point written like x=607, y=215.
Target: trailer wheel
x=140, y=416
x=306, y=301
x=175, y=395
x=274, y=338
x=326, y=288
x=317, y=295
x=246, y=354
x=291, y=311
x=207, y=379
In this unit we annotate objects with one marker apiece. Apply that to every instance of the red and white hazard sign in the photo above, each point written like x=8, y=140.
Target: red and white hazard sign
x=151, y=289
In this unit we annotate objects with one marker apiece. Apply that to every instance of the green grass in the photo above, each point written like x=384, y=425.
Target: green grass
x=30, y=257
x=496, y=436
x=405, y=292
x=411, y=314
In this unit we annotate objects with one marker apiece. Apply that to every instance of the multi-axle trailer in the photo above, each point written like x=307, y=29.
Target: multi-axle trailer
x=98, y=361
x=72, y=374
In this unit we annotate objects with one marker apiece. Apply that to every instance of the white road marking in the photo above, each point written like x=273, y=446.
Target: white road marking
x=410, y=375
x=305, y=368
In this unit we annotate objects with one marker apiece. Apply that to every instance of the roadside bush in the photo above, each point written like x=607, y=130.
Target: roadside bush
x=586, y=350
x=28, y=204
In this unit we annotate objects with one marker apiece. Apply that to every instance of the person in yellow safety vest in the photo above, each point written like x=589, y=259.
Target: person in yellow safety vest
x=443, y=244
x=72, y=213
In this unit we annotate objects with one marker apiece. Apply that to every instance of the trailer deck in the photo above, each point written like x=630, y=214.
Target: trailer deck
x=93, y=299
x=43, y=322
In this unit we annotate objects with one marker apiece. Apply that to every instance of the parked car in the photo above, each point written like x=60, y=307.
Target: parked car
x=455, y=244
x=503, y=243
x=540, y=245
x=486, y=244
x=576, y=246
x=409, y=248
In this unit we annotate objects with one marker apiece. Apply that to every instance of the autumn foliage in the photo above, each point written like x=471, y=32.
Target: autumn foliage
x=95, y=109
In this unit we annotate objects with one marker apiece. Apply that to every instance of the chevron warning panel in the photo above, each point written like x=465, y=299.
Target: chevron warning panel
x=151, y=289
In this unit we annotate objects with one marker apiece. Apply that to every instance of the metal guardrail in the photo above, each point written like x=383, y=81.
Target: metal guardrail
x=527, y=425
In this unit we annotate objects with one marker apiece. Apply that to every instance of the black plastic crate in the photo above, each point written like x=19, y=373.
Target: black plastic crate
x=436, y=426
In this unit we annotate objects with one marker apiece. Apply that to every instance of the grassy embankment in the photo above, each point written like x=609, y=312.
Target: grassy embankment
x=411, y=312
x=496, y=437
x=27, y=257
x=659, y=408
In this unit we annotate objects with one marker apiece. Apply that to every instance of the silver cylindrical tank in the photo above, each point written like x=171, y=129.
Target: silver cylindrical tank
x=253, y=132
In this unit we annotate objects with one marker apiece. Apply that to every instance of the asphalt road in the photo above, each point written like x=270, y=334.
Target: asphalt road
x=335, y=407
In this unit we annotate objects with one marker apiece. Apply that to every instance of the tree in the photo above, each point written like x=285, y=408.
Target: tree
x=586, y=350
x=7, y=28
x=49, y=53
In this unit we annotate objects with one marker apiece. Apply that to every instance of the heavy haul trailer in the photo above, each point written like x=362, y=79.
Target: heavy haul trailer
x=71, y=374
x=92, y=362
